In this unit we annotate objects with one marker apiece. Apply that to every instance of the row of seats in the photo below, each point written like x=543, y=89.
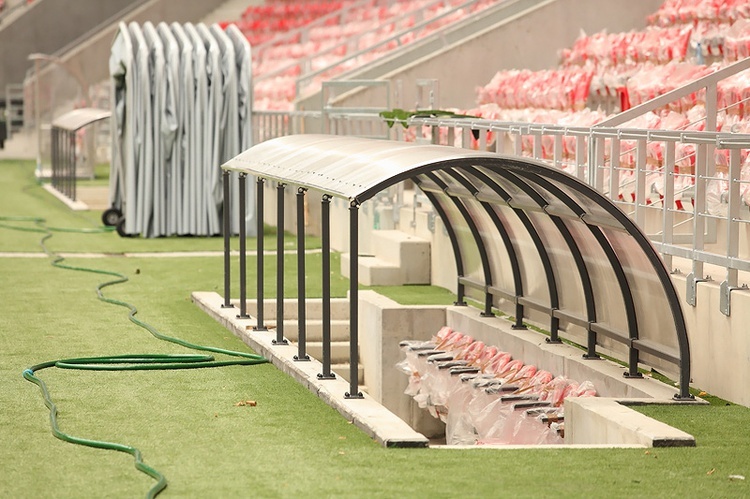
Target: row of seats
x=324, y=42
x=482, y=394
x=686, y=39
x=673, y=12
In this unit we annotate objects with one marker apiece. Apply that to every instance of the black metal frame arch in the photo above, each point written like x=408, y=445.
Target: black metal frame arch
x=457, y=255
x=549, y=273
x=519, y=173
x=572, y=246
x=648, y=250
x=617, y=268
x=509, y=248
x=486, y=270
x=583, y=272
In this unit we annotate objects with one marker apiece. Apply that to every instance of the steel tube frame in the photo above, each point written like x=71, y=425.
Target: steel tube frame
x=326, y=270
x=487, y=311
x=55, y=147
x=549, y=272
x=353, y=392
x=513, y=171
x=460, y=289
x=280, y=340
x=512, y=255
x=226, y=215
x=301, y=291
x=260, y=260
x=243, y=248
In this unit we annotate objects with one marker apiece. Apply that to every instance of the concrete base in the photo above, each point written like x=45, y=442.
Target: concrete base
x=73, y=205
x=374, y=419
x=592, y=421
x=399, y=258
x=589, y=422
x=607, y=421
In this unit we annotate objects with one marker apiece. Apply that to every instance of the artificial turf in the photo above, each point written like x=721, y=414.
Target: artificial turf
x=291, y=444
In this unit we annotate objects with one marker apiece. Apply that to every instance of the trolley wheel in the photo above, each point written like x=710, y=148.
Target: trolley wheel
x=111, y=216
x=121, y=228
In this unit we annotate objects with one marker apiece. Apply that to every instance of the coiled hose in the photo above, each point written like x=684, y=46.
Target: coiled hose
x=129, y=362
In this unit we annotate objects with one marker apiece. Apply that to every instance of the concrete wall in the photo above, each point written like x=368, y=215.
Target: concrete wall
x=530, y=40
x=719, y=345
x=384, y=323
x=90, y=57
x=46, y=26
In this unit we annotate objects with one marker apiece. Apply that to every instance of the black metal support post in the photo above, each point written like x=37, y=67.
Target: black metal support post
x=260, y=258
x=243, y=249
x=73, y=166
x=280, y=266
x=301, y=318
x=353, y=392
x=591, y=345
x=518, y=325
x=633, y=358
x=225, y=177
x=55, y=158
x=326, y=236
x=487, y=312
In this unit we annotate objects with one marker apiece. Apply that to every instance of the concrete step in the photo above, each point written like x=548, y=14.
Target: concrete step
x=313, y=308
x=314, y=329
x=398, y=258
x=402, y=249
x=373, y=271
x=342, y=371
x=339, y=351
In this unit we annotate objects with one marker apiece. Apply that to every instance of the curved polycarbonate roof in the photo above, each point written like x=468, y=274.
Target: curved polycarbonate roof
x=79, y=118
x=522, y=233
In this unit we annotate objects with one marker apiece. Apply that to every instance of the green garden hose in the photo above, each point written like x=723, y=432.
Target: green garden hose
x=129, y=362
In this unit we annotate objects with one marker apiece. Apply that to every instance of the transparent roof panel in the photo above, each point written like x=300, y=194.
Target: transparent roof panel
x=467, y=244
x=500, y=265
x=655, y=321
x=357, y=169
x=532, y=275
x=567, y=278
x=610, y=308
x=79, y=118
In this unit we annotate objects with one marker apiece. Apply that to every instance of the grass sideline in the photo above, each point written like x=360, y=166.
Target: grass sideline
x=289, y=445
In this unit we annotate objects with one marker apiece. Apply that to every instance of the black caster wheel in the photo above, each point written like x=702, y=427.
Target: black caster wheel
x=121, y=228
x=111, y=216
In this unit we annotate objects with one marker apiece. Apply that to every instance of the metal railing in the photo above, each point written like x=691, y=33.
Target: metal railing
x=268, y=125
x=400, y=37
x=689, y=207
x=407, y=27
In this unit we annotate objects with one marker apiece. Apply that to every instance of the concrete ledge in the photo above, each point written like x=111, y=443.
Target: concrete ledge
x=73, y=205
x=371, y=417
x=564, y=359
x=398, y=258
x=599, y=420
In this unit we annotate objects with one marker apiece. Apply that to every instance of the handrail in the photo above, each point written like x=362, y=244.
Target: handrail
x=304, y=80
x=290, y=35
x=677, y=93
x=7, y=12
x=633, y=186
x=306, y=61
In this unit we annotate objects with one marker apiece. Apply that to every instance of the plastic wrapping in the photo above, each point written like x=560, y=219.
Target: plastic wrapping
x=562, y=89
x=482, y=394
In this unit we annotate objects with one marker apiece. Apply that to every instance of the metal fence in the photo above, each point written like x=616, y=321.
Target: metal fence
x=694, y=205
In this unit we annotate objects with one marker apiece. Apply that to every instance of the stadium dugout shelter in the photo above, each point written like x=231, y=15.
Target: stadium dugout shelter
x=66, y=152
x=524, y=235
